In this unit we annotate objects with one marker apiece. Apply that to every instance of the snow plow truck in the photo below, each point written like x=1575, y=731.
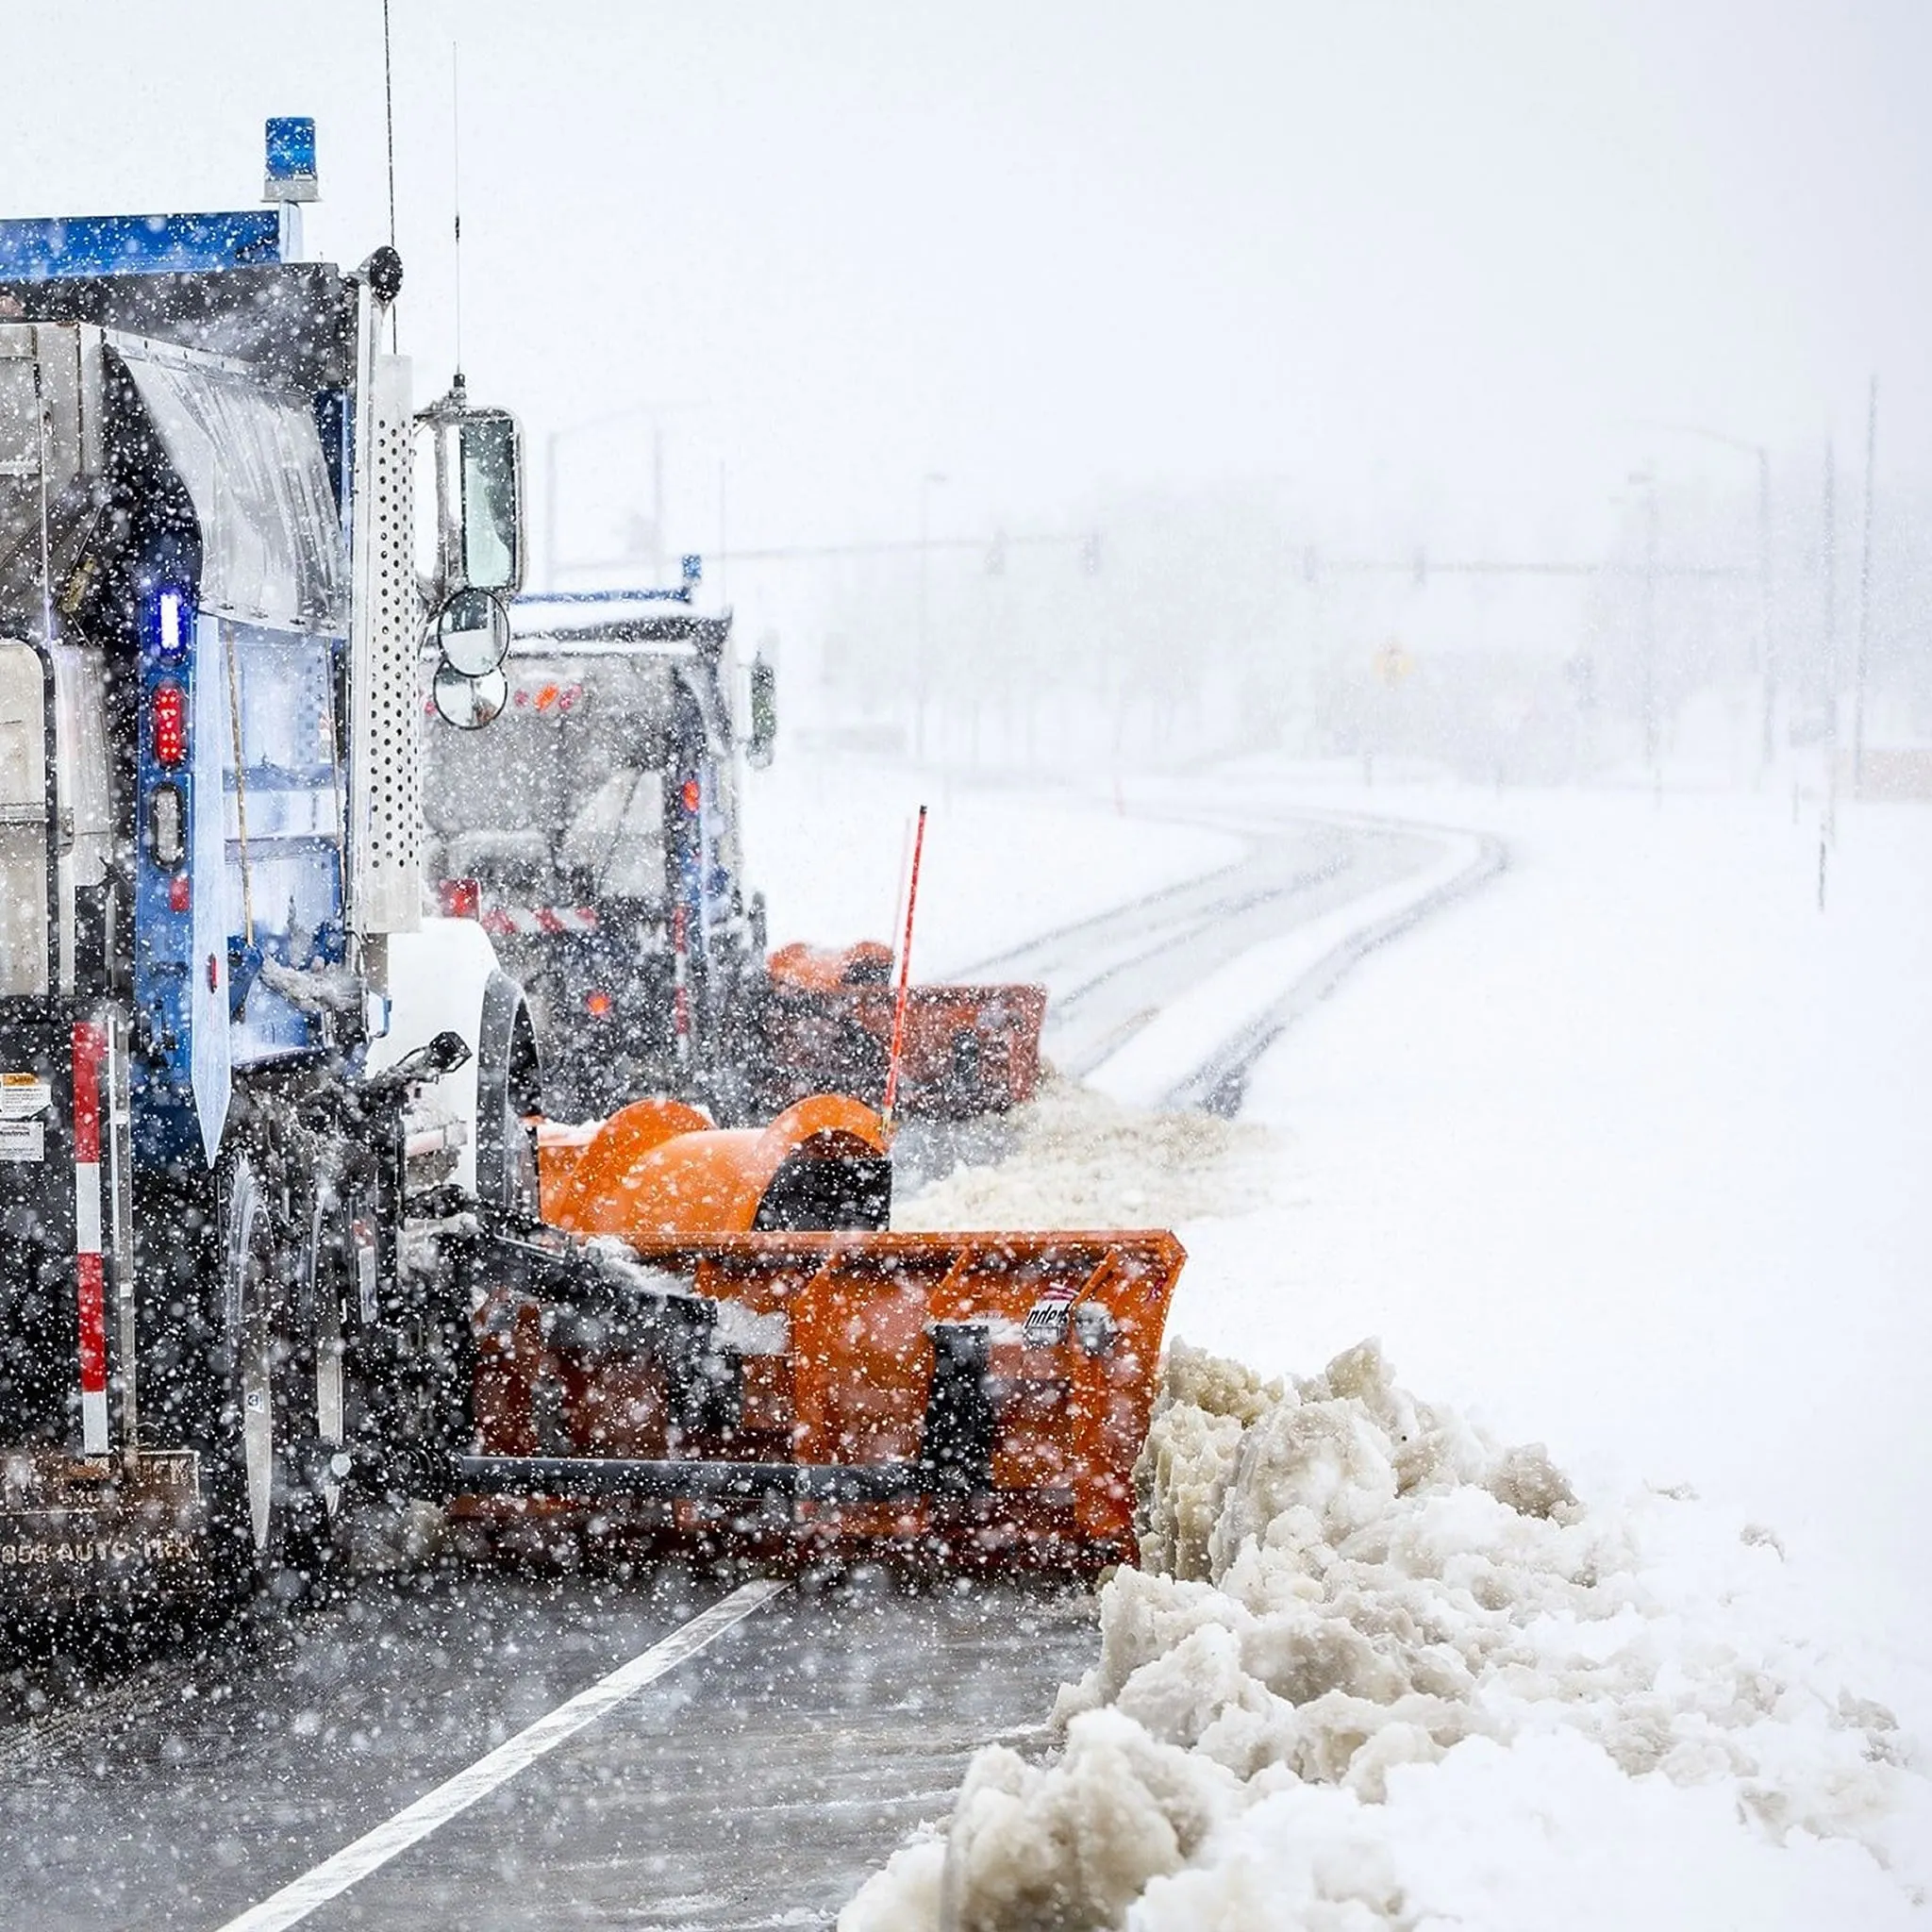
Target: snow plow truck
x=284, y=1220
x=596, y=831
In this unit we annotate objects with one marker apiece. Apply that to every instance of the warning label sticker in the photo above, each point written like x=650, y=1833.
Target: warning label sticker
x=22, y=1096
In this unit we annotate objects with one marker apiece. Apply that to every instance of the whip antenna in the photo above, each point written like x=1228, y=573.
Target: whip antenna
x=905, y=976
x=456, y=192
x=389, y=123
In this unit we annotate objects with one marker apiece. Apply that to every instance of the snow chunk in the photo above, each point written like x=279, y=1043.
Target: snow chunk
x=1067, y=1849
x=1082, y=1160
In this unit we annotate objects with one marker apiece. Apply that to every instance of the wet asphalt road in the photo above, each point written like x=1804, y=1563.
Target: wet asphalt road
x=757, y=1785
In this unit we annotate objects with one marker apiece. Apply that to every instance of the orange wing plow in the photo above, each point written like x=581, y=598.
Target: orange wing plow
x=961, y=1399
x=827, y=1023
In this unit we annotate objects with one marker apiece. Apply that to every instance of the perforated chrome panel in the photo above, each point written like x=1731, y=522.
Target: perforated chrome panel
x=388, y=751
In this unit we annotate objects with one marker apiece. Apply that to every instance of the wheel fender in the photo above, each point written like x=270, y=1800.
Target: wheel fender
x=439, y=980
x=508, y=1083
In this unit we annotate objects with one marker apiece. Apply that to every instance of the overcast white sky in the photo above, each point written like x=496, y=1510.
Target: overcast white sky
x=1437, y=261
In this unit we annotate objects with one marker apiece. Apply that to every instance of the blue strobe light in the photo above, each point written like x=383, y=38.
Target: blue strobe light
x=291, y=158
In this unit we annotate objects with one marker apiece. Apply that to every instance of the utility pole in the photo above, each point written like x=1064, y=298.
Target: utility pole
x=1865, y=599
x=608, y=420
x=1831, y=678
x=923, y=666
x=1650, y=542
x=1766, y=656
x=1770, y=666
x=658, y=502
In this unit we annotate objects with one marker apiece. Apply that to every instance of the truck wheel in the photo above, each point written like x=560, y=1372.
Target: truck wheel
x=271, y=1523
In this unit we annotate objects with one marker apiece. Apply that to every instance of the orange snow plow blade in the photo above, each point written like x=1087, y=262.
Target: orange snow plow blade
x=827, y=1023
x=959, y=1399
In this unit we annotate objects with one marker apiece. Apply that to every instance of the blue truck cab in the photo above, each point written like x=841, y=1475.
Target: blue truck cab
x=211, y=638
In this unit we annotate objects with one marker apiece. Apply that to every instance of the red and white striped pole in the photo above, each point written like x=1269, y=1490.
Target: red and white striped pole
x=90, y=1058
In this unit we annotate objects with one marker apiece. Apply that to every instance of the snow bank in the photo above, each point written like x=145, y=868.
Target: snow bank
x=1380, y=1672
x=1080, y=1159
x=828, y=844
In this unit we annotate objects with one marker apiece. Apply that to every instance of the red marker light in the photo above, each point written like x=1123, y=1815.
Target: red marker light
x=691, y=794
x=170, y=724
x=179, y=894
x=596, y=1004
x=462, y=898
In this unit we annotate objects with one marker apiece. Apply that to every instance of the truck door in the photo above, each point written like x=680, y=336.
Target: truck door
x=39, y=1332
x=24, y=868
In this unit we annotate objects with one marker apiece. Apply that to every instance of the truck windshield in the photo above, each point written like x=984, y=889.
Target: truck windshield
x=22, y=821
x=562, y=799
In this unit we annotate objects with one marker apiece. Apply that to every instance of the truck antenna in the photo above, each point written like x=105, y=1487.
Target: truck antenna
x=905, y=976
x=388, y=124
x=456, y=168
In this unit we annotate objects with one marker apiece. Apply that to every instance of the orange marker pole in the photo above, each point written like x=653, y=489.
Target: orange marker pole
x=905, y=979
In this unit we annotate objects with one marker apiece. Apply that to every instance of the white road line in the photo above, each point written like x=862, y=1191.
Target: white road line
x=355, y=1862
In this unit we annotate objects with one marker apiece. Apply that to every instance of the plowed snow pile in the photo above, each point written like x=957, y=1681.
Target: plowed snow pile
x=1379, y=1671
x=1083, y=1160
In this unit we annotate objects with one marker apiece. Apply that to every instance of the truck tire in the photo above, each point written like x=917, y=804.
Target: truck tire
x=269, y=1521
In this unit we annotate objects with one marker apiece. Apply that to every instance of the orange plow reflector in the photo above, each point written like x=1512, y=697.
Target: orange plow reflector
x=961, y=1398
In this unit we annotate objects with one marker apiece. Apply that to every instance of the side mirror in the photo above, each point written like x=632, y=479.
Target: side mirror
x=764, y=714
x=478, y=463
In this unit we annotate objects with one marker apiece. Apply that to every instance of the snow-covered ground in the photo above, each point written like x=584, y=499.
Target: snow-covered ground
x=1626, y=1154
x=829, y=846
x=1633, y=1150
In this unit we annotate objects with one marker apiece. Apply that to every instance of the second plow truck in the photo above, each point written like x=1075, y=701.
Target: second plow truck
x=596, y=832
x=281, y=1219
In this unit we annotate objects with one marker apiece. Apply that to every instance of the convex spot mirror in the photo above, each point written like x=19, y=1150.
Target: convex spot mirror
x=472, y=632
x=469, y=702
x=476, y=456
